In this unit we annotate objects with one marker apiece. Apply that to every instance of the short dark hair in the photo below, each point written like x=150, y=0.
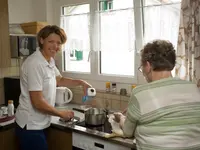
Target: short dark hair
x=49, y=29
x=160, y=54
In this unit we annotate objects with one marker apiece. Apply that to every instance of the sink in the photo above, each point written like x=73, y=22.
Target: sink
x=70, y=107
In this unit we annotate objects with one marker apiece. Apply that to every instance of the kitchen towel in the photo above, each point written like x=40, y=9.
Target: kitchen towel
x=116, y=130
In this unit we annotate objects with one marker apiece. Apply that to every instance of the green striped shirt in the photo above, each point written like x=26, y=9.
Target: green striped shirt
x=164, y=115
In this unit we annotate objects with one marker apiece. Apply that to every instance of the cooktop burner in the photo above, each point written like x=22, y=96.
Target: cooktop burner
x=106, y=127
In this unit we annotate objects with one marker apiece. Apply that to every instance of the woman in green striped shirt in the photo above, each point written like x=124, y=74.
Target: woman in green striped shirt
x=163, y=114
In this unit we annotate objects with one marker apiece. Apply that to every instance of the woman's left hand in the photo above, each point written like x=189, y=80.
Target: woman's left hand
x=85, y=86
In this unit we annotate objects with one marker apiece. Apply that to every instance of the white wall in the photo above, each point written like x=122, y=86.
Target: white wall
x=29, y=10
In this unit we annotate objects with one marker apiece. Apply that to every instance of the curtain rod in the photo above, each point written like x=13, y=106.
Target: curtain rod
x=130, y=8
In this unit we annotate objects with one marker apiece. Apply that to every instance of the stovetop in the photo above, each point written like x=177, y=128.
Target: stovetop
x=106, y=127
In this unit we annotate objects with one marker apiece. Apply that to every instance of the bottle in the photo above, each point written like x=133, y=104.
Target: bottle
x=114, y=87
x=10, y=108
x=91, y=92
x=133, y=86
x=107, y=86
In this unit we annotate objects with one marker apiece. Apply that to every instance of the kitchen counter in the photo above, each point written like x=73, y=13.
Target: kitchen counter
x=123, y=141
x=79, y=129
x=7, y=125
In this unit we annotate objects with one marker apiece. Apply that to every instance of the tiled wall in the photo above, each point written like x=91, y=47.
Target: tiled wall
x=5, y=72
x=106, y=100
x=102, y=99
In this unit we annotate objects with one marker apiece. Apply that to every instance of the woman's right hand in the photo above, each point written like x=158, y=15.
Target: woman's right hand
x=124, y=111
x=66, y=114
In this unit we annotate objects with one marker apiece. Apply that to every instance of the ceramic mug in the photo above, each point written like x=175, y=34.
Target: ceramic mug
x=1, y=113
x=4, y=109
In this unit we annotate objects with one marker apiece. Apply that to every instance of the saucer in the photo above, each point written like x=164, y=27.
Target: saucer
x=4, y=116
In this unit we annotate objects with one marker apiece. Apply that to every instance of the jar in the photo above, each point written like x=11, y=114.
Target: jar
x=10, y=108
x=107, y=86
x=133, y=86
x=114, y=87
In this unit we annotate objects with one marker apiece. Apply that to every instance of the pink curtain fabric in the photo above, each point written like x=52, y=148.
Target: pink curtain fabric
x=188, y=49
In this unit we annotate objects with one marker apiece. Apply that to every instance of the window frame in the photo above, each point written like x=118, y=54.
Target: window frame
x=98, y=81
x=94, y=57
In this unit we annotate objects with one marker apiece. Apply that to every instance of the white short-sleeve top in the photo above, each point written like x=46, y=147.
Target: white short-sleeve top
x=36, y=75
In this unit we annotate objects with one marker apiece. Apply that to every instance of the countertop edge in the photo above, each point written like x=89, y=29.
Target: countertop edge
x=83, y=130
x=98, y=134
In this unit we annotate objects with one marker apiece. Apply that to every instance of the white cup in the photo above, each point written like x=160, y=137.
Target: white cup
x=4, y=109
x=1, y=113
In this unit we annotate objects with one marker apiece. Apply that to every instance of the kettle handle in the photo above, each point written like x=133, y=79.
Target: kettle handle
x=66, y=95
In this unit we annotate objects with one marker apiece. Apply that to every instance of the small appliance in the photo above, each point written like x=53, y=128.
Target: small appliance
x=63, y=96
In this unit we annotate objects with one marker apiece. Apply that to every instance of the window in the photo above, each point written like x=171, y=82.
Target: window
x=117, y=38
x=75, y=21
x=105, y=36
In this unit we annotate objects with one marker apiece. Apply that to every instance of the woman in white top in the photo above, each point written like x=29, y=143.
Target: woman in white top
x=39, y=78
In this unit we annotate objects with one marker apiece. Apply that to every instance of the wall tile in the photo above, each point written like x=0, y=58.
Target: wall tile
x=115, y=104
x=124, y=98
x=5, y=72
x=1, y=73
x=107, y=103
x=80, y=90
x=99, y=102
x=14, y=62
x=100, y=95
x=115, y=97
x=107, y=96
x=77, y=98
x=92, y=102
x=124, y=105
x=14, y=71
x=2, y=100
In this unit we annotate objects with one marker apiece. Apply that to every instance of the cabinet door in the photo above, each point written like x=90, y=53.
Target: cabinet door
x=5, y=58
x=59, y=139
x=10, y=140
x=1, y=139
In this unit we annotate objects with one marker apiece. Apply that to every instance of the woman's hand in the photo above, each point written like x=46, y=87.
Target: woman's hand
x=119, y=118
x=85, y=86
x=66, y=114
x=124, y=111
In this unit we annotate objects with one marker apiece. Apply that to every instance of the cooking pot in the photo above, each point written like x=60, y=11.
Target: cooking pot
x=94, y=116
x=63, y=96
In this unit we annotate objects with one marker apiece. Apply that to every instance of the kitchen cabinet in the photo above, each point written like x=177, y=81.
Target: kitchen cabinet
x=5, y=58
x=58, y=139
x=8, y=140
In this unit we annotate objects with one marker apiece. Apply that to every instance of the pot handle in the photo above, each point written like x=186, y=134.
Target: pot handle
x=79, y=110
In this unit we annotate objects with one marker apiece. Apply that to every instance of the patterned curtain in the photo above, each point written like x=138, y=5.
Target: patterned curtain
x=188, y=49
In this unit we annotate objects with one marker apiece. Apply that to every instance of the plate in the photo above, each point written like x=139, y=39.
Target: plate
x=4, y=116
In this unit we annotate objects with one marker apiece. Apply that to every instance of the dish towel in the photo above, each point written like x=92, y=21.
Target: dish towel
x=116, y=130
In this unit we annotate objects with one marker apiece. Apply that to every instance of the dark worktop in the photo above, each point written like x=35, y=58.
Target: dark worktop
x=79, y=129
x=55, y=123
x=76, y=128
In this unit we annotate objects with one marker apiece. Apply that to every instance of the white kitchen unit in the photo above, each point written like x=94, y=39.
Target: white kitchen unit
x=85, y=142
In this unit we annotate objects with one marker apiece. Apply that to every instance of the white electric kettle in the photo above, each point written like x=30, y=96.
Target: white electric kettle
x=63, y=96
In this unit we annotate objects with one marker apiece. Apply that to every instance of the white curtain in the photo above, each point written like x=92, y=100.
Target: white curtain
x=162, y=22
x=117, y=30
x=117, y=42
x=77, y=29
x=77, y=47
